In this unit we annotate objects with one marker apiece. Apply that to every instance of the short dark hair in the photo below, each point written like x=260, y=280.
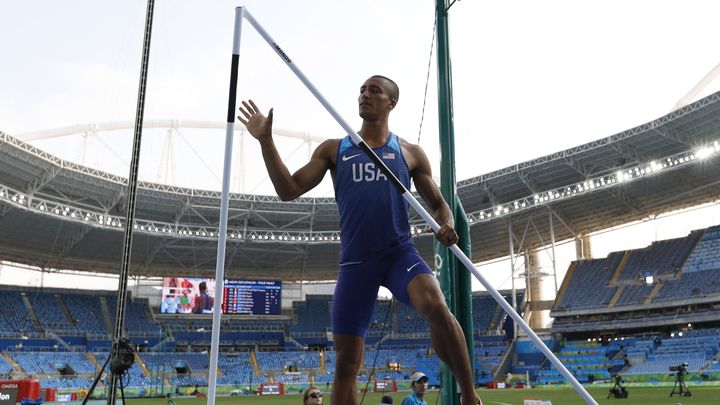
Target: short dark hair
x=394, y=89
x=203, y=286
x=386, y=399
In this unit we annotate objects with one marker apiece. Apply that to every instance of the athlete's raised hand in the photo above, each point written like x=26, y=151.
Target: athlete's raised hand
x=259, y=126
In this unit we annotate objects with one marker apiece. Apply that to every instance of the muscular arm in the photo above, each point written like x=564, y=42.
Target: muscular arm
x=422, y=177
x=291, y=186
x=287, y=186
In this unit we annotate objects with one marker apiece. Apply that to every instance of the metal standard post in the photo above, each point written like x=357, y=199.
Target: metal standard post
x=410, y=199
x=224, y=203
x=552, y=242
x=455, y=285
x=512, y=273
x=512, y=262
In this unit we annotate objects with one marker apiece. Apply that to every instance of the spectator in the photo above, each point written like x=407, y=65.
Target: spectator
x=419, y=385
x=386, y=399
x=312, y=396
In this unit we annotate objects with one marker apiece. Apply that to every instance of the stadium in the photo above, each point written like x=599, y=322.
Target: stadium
x=629, y=326
x=642, y=320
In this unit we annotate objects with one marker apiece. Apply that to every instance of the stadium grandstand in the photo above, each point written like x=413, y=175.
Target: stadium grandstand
x=635, y=312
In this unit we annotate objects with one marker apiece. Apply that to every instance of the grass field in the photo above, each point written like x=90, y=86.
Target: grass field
x=558, y=396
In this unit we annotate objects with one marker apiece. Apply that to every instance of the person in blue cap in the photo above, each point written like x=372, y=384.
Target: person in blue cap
x=419, y=385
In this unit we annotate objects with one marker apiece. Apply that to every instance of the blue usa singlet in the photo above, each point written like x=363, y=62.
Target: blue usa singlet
x=373, y=214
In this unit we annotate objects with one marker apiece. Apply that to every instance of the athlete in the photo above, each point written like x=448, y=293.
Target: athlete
x=376, y=246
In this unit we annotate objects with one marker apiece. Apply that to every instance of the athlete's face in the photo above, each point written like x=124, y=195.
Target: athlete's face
x=375, y=100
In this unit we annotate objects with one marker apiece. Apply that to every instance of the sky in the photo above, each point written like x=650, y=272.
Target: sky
x=529, y=78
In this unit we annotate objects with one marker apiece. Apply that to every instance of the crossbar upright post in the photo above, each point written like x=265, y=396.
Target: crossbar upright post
x=224, y=206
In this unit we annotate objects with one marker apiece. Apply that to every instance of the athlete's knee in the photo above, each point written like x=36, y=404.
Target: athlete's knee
x=426, y=297
x=437, y=311
x=347, y=368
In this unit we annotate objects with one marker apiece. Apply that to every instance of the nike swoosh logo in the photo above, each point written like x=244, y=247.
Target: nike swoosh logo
x=346, y=158
x=411, y=267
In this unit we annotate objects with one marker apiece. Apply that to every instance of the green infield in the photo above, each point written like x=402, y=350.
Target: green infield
x=558, y=396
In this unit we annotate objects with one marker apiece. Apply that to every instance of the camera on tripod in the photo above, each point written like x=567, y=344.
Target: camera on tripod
x=125, y=357
x=120, y=359
x=680, y=389
x=618, y=391
x=680, y=368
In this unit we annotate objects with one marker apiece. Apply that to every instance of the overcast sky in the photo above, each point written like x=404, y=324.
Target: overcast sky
x=530, y=78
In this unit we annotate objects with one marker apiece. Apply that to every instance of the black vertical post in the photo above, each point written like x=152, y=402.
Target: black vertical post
x=130, y=215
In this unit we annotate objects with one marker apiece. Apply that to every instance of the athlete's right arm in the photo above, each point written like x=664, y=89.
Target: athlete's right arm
x=287, y=186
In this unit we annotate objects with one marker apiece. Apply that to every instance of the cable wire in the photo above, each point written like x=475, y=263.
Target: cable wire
x=427, y=78
x=377, y=349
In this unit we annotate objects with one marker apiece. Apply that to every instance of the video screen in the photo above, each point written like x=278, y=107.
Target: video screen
x=185, y=295
x=252, y=297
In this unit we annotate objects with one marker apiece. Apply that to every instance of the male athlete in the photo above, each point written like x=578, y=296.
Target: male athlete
x=376, y=246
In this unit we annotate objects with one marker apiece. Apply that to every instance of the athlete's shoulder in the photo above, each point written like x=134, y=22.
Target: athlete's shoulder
x=330, y=143
x=328, y=149
x=409, y=146
x=413, y=153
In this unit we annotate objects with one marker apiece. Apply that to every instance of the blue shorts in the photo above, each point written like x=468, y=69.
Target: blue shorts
x=359, y=281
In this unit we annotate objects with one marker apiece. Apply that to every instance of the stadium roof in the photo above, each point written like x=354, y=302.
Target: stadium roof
x=55, y=214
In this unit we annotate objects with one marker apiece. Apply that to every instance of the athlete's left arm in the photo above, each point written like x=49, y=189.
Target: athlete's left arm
x=421, y=173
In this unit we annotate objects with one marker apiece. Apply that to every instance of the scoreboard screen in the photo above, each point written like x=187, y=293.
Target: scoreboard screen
x=252, y=297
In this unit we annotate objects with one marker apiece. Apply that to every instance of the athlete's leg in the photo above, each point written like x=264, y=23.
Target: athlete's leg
x=412, y=282
x=348, y=359
x=353, y=306
x=447, y=337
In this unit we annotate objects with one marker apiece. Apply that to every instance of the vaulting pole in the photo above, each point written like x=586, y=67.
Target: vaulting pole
x=410, y=199
x=224, y=204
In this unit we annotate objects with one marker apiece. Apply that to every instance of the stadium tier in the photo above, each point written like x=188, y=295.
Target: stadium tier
x=61, y=336
x=50, y=312
x=139, y=321
x=290, y=361
x=587, y=361
x=588, y=285
x=5, y=368
x=85, y=312
x=173, y=351
x=15, y=319
x=670, y=282
x=237, y=370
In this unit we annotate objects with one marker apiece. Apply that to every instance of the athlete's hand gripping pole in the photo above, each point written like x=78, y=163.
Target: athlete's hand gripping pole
x=407, y=195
